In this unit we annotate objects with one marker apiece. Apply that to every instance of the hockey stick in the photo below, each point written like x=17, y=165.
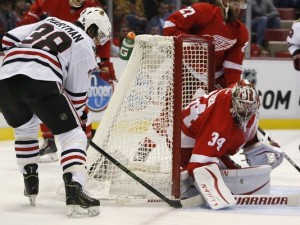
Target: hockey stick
x=284, y=154
x=190, y=202
x=265, y=200
x=241, y=200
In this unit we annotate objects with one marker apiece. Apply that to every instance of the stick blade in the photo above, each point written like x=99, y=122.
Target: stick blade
x=193, y=201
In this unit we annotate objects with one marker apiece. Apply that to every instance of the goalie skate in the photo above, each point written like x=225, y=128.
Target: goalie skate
x=78, y=203
x=48, y=151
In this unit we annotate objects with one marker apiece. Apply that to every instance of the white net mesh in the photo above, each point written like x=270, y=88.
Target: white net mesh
x=137, y=127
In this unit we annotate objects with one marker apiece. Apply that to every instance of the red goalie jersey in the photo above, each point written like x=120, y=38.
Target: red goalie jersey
x=210, y=130
x=230, y=38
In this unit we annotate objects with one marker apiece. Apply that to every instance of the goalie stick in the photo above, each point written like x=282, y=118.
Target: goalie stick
x=292, y=200
x=264, y=200
x=268, y=200
x=284, y=154
x=190, y=202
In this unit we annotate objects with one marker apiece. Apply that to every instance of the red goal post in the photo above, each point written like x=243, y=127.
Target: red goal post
x=161, y=77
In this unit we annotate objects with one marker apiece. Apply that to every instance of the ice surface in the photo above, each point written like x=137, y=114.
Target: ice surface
x=50, y=210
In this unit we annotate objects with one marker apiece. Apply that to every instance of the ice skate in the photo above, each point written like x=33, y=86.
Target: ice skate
x=31, y=181
x=79, y=204
x=48, y=151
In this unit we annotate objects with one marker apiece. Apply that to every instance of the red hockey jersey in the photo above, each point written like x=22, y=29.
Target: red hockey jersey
x=208, y=121
x=62, y=10
x=230, y=38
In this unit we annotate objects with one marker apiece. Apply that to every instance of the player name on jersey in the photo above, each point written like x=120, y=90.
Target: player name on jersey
x=73, y=33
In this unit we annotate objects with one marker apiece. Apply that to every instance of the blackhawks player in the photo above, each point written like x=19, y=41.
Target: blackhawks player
x=68, y=10
x=47, y=67
x=220, y=22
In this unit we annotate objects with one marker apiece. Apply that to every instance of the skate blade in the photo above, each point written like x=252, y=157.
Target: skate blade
x=32, y=199
x=77, y=211
x=51, y=157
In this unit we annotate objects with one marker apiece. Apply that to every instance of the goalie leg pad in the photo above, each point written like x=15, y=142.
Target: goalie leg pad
x=209, y=182
x=249, y=180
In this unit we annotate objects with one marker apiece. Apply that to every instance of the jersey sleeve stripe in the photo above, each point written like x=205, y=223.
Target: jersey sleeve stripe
x=203, y=159
x=33, y=15
x=81, y=94
x=10, y=37
x=232, y=65
x=77, y=102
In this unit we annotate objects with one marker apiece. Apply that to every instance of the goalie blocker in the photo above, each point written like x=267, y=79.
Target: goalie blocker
x=263, y=152
x=218, y=186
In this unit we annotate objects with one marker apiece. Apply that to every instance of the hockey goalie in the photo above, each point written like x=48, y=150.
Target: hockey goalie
x=214, y=127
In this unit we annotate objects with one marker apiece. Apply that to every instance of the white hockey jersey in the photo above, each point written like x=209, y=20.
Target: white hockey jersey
x=293, y=38
x=51, y=50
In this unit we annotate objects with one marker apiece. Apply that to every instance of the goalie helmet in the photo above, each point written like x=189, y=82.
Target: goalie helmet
x=76, y=3
x=245, y=102
x=96, y=16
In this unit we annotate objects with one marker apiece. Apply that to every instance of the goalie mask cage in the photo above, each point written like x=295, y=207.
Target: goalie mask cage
x=161, y=77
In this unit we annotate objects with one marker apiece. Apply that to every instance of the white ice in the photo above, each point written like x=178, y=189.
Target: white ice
x=50, y=210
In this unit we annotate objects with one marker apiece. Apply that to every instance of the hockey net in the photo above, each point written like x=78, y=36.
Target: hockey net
x=161, y=77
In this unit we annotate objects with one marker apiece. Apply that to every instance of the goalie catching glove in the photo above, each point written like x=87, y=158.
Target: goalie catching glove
x=107, y=71
x=262, y=153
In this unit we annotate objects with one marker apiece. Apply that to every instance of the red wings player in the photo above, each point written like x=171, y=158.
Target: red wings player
x=68, y=10
x=221, y=23
x=217, y=125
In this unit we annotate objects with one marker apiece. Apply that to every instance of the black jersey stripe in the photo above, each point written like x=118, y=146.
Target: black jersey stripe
x=26, y=142
x=66, y=152
x=11, y=37
x=27, y=155
x=76, y=94
x=6, y=62
x=71, y=164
